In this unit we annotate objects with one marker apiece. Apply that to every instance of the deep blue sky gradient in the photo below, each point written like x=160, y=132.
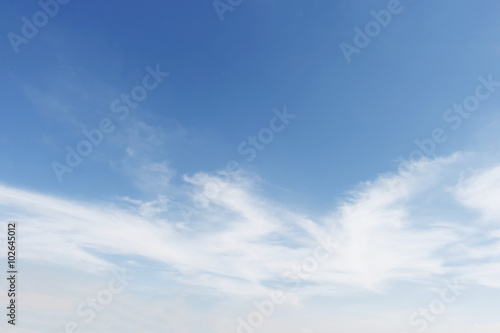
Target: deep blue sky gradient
x=354, y=120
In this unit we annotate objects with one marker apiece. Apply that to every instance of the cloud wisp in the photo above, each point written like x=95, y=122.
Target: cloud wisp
x=242, y=243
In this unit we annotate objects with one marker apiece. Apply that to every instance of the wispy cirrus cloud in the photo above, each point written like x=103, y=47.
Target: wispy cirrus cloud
x=419, y=227
x=242, y=239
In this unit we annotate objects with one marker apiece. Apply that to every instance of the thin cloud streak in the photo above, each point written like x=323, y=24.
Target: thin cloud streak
x=240, y=244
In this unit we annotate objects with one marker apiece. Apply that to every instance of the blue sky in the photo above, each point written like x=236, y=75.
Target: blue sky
x=332, y=170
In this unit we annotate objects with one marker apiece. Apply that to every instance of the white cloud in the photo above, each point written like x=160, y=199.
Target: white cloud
x=482, y=192
x=241, y=240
